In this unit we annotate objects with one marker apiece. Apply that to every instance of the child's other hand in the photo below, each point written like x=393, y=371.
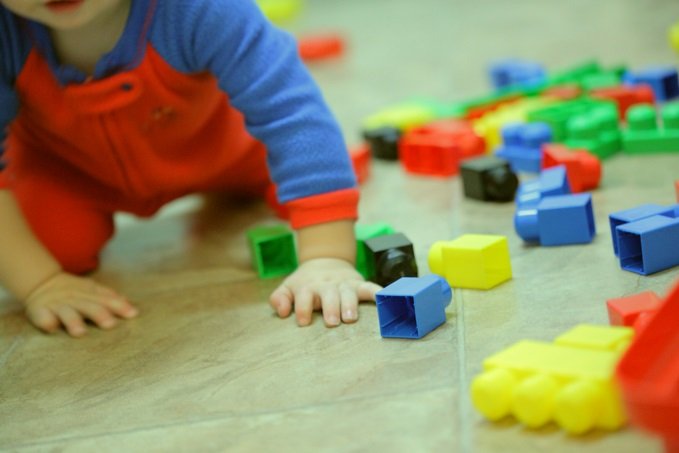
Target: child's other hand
x=330, y=284
x=68, y=300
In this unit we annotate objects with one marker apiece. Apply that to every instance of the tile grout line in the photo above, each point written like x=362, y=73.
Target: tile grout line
x=464, y=439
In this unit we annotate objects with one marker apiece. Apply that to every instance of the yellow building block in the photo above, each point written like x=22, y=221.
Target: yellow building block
x=570, y=381
x=610, y=338
x=674, y=36
x=403, y=117
x=477, y=261
x=490, y=125
x=280, y=11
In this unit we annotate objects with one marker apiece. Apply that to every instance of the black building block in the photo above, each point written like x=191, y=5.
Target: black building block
x=390, y=257
x=488, y=179
x=383, y=142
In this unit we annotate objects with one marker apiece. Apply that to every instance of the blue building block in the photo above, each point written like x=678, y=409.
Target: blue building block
x=522, y=145
x=663, y=80
x=649, y=245
x=637, y=213
x=552, y=181
x=516, y=73
x=557, y=220
x=411, y=307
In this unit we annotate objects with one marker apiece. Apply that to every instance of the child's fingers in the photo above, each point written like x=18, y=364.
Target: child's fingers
x=330, y=303
x=97, y=313
x=43, y=319
x=281, y=301
x=304, y=306
x=120, y=307
x=348, y=304
x=72, y=321
x=367, y=290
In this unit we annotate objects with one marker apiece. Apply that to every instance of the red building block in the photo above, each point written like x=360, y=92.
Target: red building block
x=563, y=92
x=625, y=311
x=625, y=96
x=437, y=148
x=583, y=169
x=676, y=188
x=360, y=159
x=320, y=47
x=648, y=374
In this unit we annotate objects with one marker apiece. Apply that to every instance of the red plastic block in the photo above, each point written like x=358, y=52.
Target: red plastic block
x=625, y=96
x=676, y=188
x=437, y=148
x=320, y=47
x=625, y=311
x=583, y=169
x=648, y=374
x=563, y=92
x=360, y=159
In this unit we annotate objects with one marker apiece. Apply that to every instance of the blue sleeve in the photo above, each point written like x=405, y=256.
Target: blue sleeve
x=258, y=66
x=13, y=52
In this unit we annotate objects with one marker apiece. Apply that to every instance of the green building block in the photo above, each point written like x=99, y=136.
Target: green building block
x=575, y=74
x=558, y=115
x=596, y=130
x=273, y=250
x=363, y=233
x=645, y=135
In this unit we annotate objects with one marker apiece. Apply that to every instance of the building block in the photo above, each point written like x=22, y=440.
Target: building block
x=676, y=188
x=625, y=311
x=619, y=218
x=538, y=382
x=552, y=181
x=363, y=233
x=648, y=374
x=490, y=125
x=403, y=116
x=411, y=307
x=476, y=261
x=280, y=11
x=649, y=245
x=273, y=250
x=477, y=108
x=644, y=135
x=320, y=46
x=383, y=142
x=603, y=79
x=558, y=115
x=625, y=96
x=596, y=130
x=663, y=80
x=437, y=148
x=516, y=73
x=522, y=144
x=390, y=257
x=488, y=179
x=557, y=220
x=607, y=338
x=360, y=161
x=583, y=169
x=673, y=35
x=565, y=92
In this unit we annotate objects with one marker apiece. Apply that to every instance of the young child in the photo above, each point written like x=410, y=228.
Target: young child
x=125, y=105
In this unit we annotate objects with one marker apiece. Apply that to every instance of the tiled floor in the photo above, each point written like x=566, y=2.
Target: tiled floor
x=207, y=367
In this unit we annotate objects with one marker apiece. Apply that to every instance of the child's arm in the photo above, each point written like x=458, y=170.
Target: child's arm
x=326, y=277
x=51, y=296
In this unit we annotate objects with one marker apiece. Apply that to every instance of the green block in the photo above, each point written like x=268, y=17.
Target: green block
x=644, y=135
x=575, y=74
x=559, y=114
x=273, y=250
x=363, y=233
x=600, y=80
x=596, y=130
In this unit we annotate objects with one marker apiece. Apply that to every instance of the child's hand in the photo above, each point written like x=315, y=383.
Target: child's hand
x=330, y=284
x=68, y=300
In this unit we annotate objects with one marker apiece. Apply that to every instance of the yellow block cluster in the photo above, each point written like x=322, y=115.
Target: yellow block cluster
x=479, y=261
x=570, y=381
x=280, y=11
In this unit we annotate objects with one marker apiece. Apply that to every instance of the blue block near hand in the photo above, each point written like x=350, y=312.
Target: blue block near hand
x=649, y=245
x=411, y=307
x=557, y=220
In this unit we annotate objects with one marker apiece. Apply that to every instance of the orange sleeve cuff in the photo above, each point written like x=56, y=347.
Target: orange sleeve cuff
x=327, y=207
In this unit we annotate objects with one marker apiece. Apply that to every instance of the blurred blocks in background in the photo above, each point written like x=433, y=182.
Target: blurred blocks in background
x=412, y=307
x=583, y=169
x=515, y=73
x=521, y=145
x=321, y=46
x=645, y=135
x=662, y=80
x=476, y=261
x=552, y=181
x=383, y=142
x=360, y=161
